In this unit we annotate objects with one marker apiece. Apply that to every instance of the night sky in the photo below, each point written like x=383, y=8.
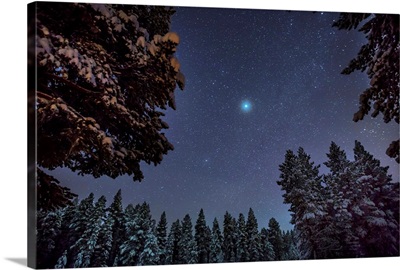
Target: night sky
x=257, y=83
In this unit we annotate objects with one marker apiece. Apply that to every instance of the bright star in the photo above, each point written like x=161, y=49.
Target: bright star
x=245, y=106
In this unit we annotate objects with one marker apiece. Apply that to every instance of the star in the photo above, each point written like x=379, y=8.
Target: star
x=246, y=106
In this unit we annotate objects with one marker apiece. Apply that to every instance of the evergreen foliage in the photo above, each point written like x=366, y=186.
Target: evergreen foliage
x=253, y=237
x=105, y=75
x=202, y=237
x=174, y=244
x=230, y=238
x=115, y=218
x=161, y=234
x=242, y=248
x=267, y=250
x=275, y=238
x=188, y=245
x=353, y=211
x=216, y=254
x=379, y=58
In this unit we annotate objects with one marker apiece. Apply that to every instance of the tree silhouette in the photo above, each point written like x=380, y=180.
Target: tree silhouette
x=202, y=238
x=353, y=211
x=105, y=74
x=379, y=57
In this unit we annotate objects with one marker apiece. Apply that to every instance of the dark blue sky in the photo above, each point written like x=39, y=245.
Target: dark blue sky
x=286, y=66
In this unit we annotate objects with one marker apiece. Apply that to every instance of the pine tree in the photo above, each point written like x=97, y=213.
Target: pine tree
x=372, y=208
x=216, y=254
x=230, y=238
x=150, y=254
x=341, y=215
x=77, y=228
x=102, y=250
x=161, y=234
x=87, y=241
x=62, y=261
x=174, y=244
x=202, y=238
x=303, y=186
x=242, y=247
x=129, y=249
x=337, y=159
x=115, y=218
x=340, y=240
x=188, y=252
x=138, y=226
x=254, y=247
x=275, y=238
x=290, y=251
x=267, y=250
x=67, y=236
x=48, y=234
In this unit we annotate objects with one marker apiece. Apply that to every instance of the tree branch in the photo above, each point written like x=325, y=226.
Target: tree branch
x=44, y=95
x=71, y=84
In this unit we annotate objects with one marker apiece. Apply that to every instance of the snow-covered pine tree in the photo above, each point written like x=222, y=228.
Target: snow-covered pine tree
x=191, y=256
x=188, y=252
x=115, y=217
x=338, y=235
x=98, y=63
x=216, y=254
x=77, y=228
x=303, y=186
x=337, y=160
x=102, y=250
x=148, y=224
x=275, y=238
x=208, y=237
x=230, y=238
x=48, y=233
x=62, y=261
x=161, y=234
x=242, y=246
x=67, y=237
x=267, y=250
x=290, y=251
x=253, y=244
x=131, y=240
x=173, y=255
x=202, y=238
x=374, y=206
x=150, y=254
x=293, y=253
x=87, y=241
x=138, y=226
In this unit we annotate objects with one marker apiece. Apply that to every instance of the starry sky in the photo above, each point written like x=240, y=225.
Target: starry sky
x=258, y=83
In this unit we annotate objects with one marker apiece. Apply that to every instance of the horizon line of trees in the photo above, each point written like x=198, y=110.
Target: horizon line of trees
x=89, y=234
x=351, y=211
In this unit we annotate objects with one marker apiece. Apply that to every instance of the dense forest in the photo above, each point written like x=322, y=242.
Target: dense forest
x=352, y=211
x=90, y=234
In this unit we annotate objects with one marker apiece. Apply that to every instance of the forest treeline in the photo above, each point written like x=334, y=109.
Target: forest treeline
x=351, y=211
x=90, y=234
